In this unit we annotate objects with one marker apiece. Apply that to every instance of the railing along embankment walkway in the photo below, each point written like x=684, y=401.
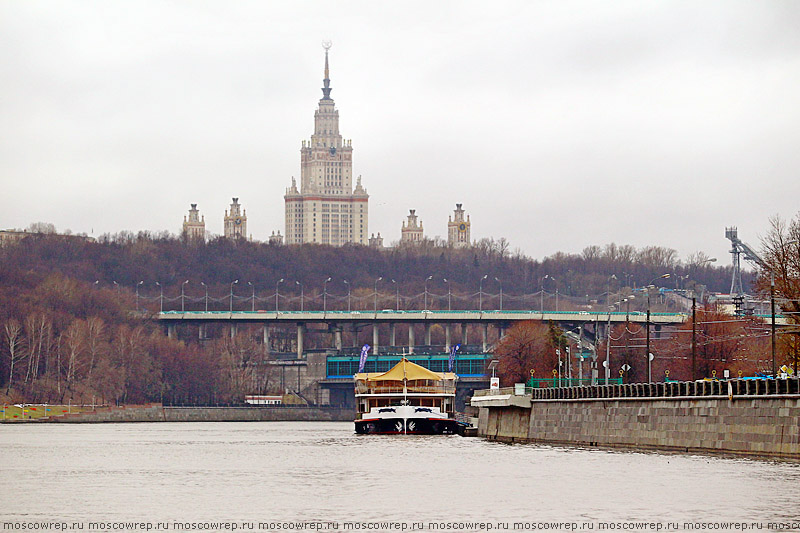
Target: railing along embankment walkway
x=742, y=416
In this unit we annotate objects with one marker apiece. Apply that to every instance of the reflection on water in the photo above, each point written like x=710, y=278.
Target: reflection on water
x=303, y=470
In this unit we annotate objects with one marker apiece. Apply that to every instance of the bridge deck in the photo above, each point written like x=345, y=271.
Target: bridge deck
x=385, y=316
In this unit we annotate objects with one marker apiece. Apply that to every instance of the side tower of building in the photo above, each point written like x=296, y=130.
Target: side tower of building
x=194, y=227
x=326, y=209
x=236, y=221
x=412, y=231
x=458, y=228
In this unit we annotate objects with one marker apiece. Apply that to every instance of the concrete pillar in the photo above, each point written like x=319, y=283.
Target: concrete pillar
x=266, y=335
x=171, y=333
x=337, y=338
x=485, y=336
x=464, y=335
x=355, y=336
x=427, y=334
x=375, y=338
x=233, y=331
x=300, y=333
x=392, y=334
x=201, y=332
x=410, y=338
x=501, y=331
x=447, y=337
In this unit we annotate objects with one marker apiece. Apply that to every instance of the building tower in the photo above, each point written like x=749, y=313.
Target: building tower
x=276, y=240
x=411, y=232
x=326, y=209
x=236, y=221
x=376, y=242
x=458, y=228
x=194, y=228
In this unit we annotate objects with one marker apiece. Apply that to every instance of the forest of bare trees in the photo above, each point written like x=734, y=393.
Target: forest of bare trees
x=74, y=316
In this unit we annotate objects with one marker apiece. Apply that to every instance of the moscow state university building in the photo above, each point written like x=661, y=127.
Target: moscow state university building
x=327, y=209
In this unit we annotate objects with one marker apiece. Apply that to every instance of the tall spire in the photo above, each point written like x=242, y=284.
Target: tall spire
x=326, y=91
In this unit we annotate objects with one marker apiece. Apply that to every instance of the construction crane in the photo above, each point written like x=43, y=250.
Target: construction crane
x=740, y=249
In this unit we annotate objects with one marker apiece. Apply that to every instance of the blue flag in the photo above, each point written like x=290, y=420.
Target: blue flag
x=363, y=360
x=453, y=357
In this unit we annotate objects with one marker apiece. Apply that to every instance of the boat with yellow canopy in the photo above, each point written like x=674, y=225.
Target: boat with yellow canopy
x=407, y=399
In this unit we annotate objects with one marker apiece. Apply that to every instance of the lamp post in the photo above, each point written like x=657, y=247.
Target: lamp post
x=232, y=284
x=480, y=293
x=608, y=288
x=253, y=297
x=772, y=322
x=426, y=290
x=302, y=295
x=137, y=295
x=541, y=291
x=276, y=293
x=160, y=297
x=608, y=344
x=694, y=322
x=449, y=307
x=116, y=286
x=183, y=308
x=647, y=327
x=501, y=292
x=348, y=294
x=206, y=287
x=396, y=296
x=375, y=293
x=325, y=295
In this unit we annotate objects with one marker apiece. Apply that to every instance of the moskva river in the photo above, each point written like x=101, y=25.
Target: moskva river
x=307, y=476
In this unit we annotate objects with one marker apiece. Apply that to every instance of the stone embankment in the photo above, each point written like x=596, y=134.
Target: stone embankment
x=756, y=418
x=159, y=413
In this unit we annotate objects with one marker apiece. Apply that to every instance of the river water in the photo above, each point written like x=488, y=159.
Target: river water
x=196, y=476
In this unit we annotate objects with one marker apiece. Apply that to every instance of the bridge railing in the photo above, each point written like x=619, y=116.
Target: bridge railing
x=673, y=389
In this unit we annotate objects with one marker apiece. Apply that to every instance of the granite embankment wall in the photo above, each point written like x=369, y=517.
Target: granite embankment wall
x=767, y=426
x=158, y=413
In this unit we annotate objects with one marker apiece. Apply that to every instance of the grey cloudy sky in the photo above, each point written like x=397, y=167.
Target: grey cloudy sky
x=557, y=124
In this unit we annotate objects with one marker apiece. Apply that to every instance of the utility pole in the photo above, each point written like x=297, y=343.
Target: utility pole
x=772, y=312
x=694, y=338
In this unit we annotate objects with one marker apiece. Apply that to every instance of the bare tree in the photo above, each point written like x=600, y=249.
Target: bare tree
x=13, y=330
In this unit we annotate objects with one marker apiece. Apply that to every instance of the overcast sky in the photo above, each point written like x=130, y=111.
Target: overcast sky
x=557, y=124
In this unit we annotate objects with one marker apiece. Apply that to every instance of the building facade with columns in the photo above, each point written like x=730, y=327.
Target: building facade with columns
x=326, y=209
x=412, y=231
x=458, y=228
x=236, y=221
x=194, y=227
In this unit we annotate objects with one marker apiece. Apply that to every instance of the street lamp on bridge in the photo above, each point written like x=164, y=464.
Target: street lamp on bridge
x=449, y=308
x=160, y=297
x=302, y=295
x=137, y=295
x=325, y=295
x=348, y=294
x=206, y=287
x=375, y=293
x=480, y=292
x=501, y=292
x=426, y=290
x=276, y=293
x=253, y=297
x=183, y=308
x=232, y=284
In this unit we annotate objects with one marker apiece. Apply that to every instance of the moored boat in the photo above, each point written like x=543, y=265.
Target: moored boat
x=407, y=399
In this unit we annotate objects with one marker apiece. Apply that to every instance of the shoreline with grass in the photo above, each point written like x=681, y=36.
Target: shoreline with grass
x=154, y=412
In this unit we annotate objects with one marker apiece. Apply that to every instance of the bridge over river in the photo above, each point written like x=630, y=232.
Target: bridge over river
x=335, y=321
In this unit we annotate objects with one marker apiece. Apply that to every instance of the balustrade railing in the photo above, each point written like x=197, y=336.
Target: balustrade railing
x=672, y=389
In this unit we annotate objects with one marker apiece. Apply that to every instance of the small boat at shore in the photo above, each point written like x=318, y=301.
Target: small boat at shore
x=407, y=399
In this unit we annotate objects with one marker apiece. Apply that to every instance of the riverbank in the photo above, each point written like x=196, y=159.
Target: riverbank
x=159, y=413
